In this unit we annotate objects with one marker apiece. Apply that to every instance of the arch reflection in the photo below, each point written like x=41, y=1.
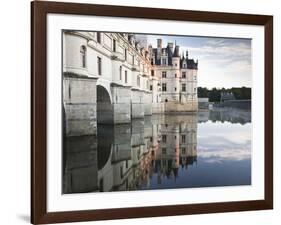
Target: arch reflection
x=125, y=157
x=211, y=148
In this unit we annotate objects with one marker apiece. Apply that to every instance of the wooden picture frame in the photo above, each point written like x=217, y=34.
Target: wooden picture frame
x=39, y=11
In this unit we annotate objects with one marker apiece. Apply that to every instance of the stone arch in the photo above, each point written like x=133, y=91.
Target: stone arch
x=104, y=106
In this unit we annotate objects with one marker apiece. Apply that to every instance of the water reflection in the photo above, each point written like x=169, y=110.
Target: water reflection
x=162, y=151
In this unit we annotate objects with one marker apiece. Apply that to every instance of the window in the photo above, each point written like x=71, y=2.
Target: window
x=195, y=89
x=152, y=72
x=164, y=74
x=133, y=60
x=194, y=78
x=127, y=164
x=164, y=138
x=175, y=89
x=164, y=151
x=183, y=87
x=151, y=87
x=175, y=75
x=126, y=76
x=120, y=73
x=183, y=138
x=99, y=66
x=138, y=81
x=83, y=51
x=98, y=37
x=164, y=61
x=183, y=75
x=114, y=45
x=164, y=87
x=183, y=151
x=125, y=54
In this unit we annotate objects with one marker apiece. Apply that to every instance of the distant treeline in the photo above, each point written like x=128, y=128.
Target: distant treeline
x=214, y=94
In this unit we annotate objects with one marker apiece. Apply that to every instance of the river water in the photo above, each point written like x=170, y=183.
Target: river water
x=204, y=149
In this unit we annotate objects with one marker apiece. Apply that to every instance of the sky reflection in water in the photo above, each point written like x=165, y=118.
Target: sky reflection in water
x=223, y=158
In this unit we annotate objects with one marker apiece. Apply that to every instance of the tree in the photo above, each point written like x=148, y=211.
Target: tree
x=214, y=94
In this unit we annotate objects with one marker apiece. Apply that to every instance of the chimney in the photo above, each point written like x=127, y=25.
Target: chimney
x=171, y=45
x=159, y=43
x=159, y=48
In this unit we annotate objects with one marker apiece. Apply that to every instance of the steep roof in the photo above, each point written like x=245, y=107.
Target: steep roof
x=171, y=52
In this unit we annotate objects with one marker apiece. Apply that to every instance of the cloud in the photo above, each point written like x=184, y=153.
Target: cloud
x=223, y=62
x=218, y=142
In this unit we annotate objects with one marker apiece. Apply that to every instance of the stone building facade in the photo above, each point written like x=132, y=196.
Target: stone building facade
x=110, y=78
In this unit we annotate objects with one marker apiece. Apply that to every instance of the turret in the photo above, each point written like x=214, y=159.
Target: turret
x=176, y=51
x=176, y=57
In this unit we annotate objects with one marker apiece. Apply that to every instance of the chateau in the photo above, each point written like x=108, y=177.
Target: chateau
x=112, y=78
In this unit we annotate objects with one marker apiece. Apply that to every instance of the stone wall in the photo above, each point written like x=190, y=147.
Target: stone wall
x=147, y=103
x=121, y=97
x=175, y=107
x=79, y=105
x=86, y=104
x=203, y=103
x=158, y=108
x=137, y=101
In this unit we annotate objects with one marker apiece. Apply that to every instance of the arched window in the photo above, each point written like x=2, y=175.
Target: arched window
x=83, y=51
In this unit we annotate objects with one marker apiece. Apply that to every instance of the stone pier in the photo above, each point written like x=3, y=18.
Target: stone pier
x=79, y=105
x=147, y=103
x=137, y=101
x=121, y=103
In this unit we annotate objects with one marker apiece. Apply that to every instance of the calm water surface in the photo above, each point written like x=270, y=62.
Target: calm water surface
x=205, y=149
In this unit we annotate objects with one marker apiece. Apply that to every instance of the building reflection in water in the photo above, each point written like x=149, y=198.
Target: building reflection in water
x=126, y=157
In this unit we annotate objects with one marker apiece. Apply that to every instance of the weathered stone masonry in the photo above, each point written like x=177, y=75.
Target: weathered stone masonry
x=109, y=78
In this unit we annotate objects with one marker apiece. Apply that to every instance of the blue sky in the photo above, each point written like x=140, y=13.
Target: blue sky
x=223, y=62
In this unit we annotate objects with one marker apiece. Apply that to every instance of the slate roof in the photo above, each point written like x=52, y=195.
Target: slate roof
x=190, y=63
